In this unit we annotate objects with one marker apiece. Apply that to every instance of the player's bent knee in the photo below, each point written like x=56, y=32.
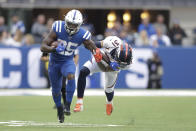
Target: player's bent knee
x=84, y=71
x=70, y=76
x=109, y=90
x=56, y=94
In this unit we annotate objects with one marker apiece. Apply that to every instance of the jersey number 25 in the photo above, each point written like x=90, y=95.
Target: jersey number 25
x=70, y=47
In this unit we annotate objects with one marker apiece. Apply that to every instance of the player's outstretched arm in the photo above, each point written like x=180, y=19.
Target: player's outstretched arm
x=90, y=45
x=46, y=43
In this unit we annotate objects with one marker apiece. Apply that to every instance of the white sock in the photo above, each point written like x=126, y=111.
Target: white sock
x=109, y=102
x=80, y=101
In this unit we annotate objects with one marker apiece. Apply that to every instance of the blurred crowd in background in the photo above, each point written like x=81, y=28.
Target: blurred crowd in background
x=15, y=35
x=148, y=34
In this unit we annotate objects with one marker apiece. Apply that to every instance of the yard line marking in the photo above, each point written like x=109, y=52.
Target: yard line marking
x=53, y=124
x=100, y=92
x=15, y=125
x=2, y=122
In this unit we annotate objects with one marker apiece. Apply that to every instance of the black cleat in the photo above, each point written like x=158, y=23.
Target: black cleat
x=60, y=114
x=67, y=109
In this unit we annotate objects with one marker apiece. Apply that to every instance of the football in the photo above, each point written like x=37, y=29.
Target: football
x=54, y=44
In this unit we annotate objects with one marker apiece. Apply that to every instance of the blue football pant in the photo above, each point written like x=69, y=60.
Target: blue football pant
x=56, y=72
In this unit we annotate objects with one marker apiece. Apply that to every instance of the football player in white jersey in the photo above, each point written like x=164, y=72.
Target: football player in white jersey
x=119, y=57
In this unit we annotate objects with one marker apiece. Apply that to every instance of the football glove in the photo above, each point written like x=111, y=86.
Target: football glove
x=60, y=48
x=97, y=54
x=115, y=66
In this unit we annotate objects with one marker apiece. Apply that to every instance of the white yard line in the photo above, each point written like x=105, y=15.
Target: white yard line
x=52, y=124
x=100, y=92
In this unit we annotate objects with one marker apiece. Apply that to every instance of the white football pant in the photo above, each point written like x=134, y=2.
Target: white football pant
x=110, y=77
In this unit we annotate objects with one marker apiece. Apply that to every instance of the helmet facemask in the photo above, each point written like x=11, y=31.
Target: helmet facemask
x=72, y=28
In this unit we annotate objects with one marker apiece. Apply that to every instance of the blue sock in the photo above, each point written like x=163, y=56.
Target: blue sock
x=70, y=88
x=57, y=98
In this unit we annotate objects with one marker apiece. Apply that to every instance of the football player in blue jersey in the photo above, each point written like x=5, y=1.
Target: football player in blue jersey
x=69, y=36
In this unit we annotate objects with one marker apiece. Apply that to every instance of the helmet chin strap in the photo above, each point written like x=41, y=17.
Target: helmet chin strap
x=70, y=32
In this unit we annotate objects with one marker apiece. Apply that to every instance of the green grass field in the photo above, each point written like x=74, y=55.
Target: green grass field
x=35, y=113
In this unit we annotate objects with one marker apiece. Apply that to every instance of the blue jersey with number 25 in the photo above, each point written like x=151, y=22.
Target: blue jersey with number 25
x=70, y=42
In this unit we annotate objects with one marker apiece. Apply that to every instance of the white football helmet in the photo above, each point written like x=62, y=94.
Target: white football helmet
x=73, y=20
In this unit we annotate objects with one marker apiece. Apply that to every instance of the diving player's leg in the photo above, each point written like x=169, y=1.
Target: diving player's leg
x=89, y=67
x=84, y=72
x=68, y=71
x=56, y=83
x=110, y=81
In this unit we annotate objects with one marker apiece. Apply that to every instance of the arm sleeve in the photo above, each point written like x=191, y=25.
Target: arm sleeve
x=57, y=26
x=44, y=54
x=86, y=36
x=98, y=44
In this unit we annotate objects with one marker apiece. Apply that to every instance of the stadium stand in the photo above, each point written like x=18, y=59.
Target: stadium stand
x=97, y=3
